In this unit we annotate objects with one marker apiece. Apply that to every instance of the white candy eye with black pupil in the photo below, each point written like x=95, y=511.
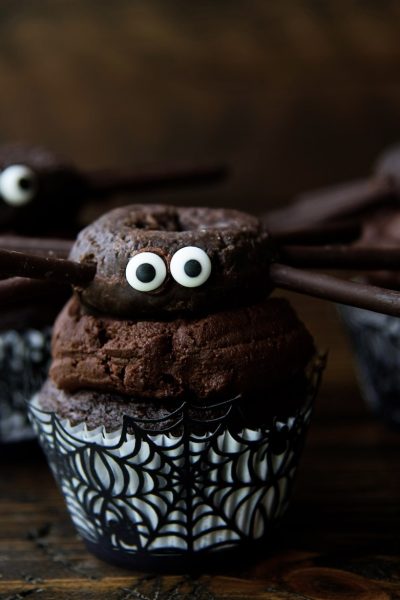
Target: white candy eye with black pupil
x=18, y=185
x=146, y=271
x=190, y=266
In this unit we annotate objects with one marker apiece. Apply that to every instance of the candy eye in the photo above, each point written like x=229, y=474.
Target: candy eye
x=146, y=271
x=17, y=185
x=190, y=266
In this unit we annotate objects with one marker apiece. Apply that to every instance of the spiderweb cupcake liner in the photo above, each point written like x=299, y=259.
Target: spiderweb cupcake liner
x=24, y=363
x=375, y=339
x=138, y=498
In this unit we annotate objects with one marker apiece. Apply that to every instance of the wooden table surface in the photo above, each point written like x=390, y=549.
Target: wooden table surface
x=340, y=540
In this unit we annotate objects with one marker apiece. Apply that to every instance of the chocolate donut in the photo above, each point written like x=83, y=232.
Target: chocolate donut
x=163, y=260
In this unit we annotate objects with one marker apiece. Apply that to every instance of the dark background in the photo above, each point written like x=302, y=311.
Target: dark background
x=293, y=94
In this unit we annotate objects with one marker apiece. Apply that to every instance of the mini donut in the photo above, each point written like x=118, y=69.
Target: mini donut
x=158, y=260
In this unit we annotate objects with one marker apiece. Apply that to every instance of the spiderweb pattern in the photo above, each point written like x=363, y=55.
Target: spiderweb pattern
x=24, y=363
x=175, y=491
x=376, y=341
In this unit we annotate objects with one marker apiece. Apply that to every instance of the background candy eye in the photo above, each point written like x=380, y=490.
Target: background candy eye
x=190, y=266
x=146, y=271
x=17, y=185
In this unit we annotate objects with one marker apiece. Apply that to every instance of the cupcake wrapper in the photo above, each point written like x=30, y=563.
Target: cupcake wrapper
x=147, y=495
x=24, y=363
x=375, y=339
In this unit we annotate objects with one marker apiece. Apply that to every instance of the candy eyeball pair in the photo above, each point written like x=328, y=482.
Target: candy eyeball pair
x=18, y=185
x=189, y=266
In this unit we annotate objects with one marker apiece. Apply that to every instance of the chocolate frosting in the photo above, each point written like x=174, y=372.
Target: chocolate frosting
x=237, y=244
x=106, y=409
x=244, y=350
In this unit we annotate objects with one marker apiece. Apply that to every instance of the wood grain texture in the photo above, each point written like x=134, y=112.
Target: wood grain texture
x=294, y=94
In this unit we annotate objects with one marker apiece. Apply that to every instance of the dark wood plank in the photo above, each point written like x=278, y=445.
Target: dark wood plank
x=294, y=94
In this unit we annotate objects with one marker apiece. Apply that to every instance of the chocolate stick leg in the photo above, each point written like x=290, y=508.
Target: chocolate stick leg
x=337, y=290
x=341, y=257
x=104, y=183
x=325, y=204
x=47, y=268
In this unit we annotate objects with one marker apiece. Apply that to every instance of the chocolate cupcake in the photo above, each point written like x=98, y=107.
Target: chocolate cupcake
x=179, y=395
x=375, y=338
x=31, y=179
x=24, y=349
x=365, y=214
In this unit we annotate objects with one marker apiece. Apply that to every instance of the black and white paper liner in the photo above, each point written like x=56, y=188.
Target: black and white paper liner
x=147, y=494
x=24, y=364
x=375, y=339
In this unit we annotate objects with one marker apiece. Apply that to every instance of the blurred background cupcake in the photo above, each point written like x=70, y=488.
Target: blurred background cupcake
x=368, y=212
x=42, y=207
x=376, y=338
x=37, y=198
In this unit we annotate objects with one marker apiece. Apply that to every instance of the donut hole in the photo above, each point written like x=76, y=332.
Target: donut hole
x=177, y=220
x=158, y=221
